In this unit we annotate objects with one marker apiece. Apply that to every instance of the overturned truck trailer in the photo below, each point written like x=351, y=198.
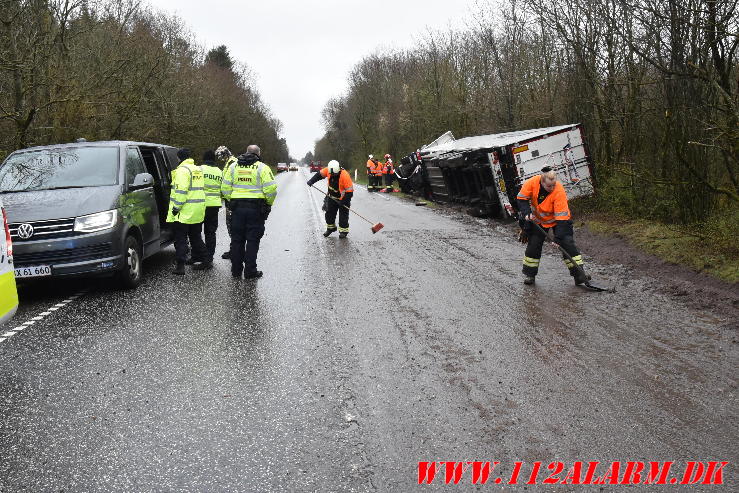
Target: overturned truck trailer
x=485, y=172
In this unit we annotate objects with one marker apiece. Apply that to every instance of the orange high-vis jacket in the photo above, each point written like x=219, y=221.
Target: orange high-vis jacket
x=370, y=166
x=345, y=183
x=553, y=208
x=376, y=168
x=387, y=168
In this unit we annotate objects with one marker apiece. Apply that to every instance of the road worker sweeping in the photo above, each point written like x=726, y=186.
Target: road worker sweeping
x=543, y=200
x=339, y=198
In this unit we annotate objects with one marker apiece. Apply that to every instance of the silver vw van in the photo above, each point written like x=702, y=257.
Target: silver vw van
x=88, y=208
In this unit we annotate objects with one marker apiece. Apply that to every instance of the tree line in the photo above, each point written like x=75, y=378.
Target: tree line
x=653, y=81
x=114, y=69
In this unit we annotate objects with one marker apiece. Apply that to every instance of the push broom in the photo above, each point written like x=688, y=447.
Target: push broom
x=375, y=226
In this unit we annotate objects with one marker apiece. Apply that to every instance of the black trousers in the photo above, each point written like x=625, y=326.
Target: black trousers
x=563, y=234
x=228, y=220
x=375, y=182
x=332, y=208
x=210, y=226
x=389, y=180
x=183, y=232
x=247, y=229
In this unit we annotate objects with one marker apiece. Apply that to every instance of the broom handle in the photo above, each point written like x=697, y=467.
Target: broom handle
x=342, y=205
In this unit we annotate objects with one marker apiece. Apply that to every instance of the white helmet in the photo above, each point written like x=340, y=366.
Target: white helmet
x=334, y=167
x=223, y=153
x=371, y=156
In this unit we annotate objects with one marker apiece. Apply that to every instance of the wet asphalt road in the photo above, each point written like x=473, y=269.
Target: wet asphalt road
x=352, y=360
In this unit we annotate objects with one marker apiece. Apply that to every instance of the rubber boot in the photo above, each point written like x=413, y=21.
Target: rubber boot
x=226, y=254
x=529, y=280
x=253, y=275
x=203, y=266
x=580, y=277
x=328, y=232
x=179, y=269
x=343, y=234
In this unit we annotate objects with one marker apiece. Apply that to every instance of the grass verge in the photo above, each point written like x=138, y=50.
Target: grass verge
x=698, y=247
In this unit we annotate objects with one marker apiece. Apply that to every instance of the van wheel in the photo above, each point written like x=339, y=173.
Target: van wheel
x=129, y=277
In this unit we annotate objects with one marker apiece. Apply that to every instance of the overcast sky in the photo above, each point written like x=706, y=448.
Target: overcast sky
x=300, y=52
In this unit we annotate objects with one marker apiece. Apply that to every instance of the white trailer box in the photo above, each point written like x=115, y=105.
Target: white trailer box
x=461, y=166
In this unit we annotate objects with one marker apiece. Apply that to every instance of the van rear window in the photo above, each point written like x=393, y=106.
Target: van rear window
x=50, y=169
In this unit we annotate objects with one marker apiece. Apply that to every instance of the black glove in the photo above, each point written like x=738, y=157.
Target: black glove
x=309, y=183
x=523, y=236
x=175, y=211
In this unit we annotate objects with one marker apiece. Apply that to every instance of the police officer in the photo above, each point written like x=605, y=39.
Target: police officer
x=227, y=159
x=187, y=210
x=340, y=192
x=212, y=176
x=251, y=189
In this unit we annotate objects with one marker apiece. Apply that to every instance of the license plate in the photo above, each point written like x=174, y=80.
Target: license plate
x=35, y=271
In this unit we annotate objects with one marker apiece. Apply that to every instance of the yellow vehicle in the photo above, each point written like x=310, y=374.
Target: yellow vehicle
x=8, y=292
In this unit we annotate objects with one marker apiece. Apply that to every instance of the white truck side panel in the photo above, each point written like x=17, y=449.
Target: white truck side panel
x=564, y=153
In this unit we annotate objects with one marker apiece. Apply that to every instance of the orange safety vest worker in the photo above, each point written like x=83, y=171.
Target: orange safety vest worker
x=550, y=210
x=340, y=193
x=553, y=208
x=345, y=184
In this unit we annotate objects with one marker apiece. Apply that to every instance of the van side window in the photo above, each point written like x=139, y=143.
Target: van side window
x=134, y=164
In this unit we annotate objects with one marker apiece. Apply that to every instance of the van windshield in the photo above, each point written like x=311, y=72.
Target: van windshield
x=50, y=169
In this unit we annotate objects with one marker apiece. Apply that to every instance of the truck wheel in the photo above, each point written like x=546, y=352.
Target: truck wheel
x=129, y=277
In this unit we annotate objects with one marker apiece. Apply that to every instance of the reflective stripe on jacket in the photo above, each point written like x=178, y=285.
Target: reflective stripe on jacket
x=388, y=168
x=253, y=181
x=553, y=208
x=213, y=177
x=376, y=168
x=188, y=194
x=345, y=183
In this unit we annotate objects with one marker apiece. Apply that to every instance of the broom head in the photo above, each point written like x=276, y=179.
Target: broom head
x=377, y=227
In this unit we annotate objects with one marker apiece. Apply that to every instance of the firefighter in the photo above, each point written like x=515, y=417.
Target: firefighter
x=212, y=176
x=377, y=174
x=251, y=189
x=543, y=200
x=370, y=173
x=187, y=210
x=389, y=171
x=227, y=159
x=340, y=191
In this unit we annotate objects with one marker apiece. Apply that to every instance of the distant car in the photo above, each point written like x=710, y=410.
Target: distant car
x=293, y=166
x=315, y=166
x=8, y=292
x=281, y=167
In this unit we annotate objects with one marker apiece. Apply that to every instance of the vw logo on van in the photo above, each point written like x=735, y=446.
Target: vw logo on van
x=25, y=231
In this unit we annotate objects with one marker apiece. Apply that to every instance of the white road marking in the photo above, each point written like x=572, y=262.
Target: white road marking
x=40, y=316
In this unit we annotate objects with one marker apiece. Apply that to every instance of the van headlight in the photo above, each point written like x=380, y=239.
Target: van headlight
x=96, y=222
